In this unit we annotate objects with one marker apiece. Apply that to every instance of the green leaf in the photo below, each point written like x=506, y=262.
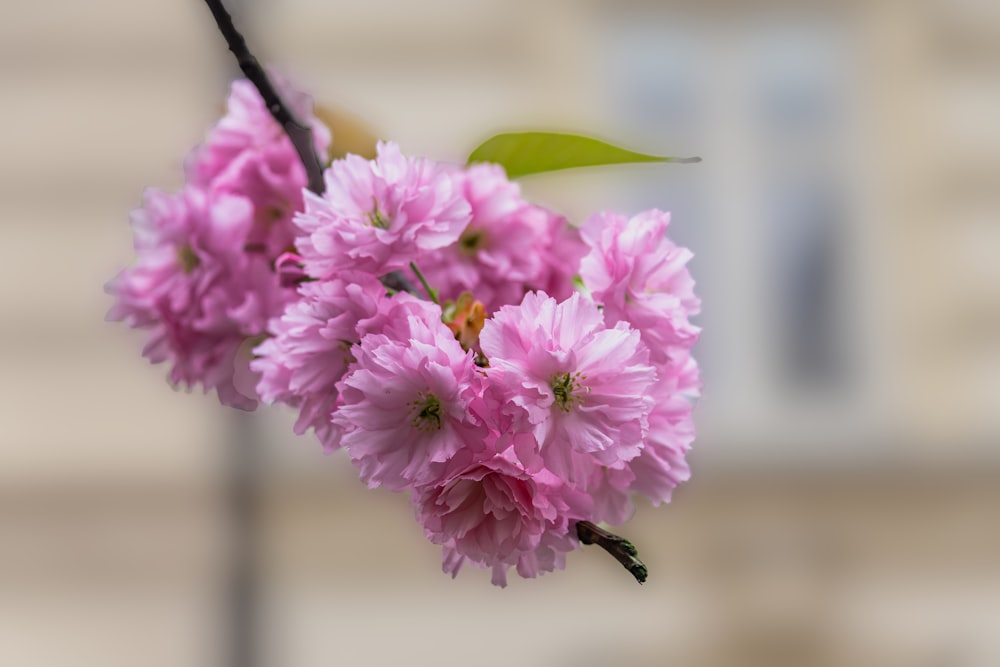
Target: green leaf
x=523, y=153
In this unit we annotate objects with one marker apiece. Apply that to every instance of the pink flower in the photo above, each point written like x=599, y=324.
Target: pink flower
x=506, y=249
x=611, y=491
x=204, y=282
x=639, y=276
x=561, y=259
x=248, y=154
x=408, y=402
x=194, y=289
x=377, y=216
x=311, y=346
x=661, y=465
x=493, y=513
x=581, y=387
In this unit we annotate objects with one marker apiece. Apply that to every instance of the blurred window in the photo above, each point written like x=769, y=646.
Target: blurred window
x=766, y=100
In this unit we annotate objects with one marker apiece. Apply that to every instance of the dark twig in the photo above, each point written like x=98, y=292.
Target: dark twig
x=623, y=550
x=399, y=282
x=300, y=135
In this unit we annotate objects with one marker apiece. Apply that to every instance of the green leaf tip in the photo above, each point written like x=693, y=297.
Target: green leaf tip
x=525, y=153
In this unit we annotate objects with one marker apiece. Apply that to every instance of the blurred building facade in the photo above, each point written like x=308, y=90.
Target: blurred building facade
x=844, y=221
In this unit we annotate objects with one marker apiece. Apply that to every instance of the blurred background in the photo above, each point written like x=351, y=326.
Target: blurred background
x=845, y=222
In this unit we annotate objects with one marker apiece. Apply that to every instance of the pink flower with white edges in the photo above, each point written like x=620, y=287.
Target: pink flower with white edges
x=639, y=276
x=505, y=251
x=610, y=489
x=191, y=286
x=407, y=404
x=662, y=465
x=582, y=388
x=248, y=154
x=377, y=216
x=310, y=347
x=492, y=512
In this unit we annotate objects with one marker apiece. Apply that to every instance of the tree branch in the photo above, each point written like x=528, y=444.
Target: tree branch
x=623, y=550
x=300, y=135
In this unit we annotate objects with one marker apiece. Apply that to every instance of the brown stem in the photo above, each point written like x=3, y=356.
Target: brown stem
x=623, y=550
x=300, y=135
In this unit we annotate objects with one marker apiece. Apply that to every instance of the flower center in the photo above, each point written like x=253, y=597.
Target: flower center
x=377, y=219
x=426, y=411
x=567, y=389
x=189, y=261
x=471, y=241
x=273, y=213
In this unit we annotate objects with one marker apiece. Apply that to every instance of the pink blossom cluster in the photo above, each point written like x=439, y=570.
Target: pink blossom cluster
x=203, y=284
x=547, y=379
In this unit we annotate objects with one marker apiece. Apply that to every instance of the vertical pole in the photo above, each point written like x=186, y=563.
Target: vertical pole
x=243, y=451
x=242, y=498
